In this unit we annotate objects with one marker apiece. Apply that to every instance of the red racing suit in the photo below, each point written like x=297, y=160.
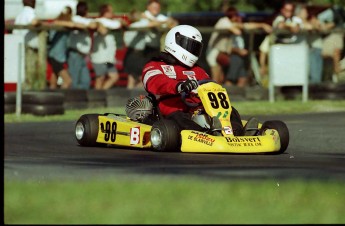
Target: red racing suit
x=161, y=78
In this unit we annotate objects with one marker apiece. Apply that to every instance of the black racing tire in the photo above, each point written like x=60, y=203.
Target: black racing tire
x=73, y=105
x=86, y=130
x=42, y=110
x=9, y=108
x=43, y=98
x=327, y=87
x=74, y=95
x=327, y=96
x=283, y=132
x=94, y=95
x=96, y=104
x=10, y=97
x=165, y=136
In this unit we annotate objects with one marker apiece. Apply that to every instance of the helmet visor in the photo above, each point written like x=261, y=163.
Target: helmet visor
x=191, y=45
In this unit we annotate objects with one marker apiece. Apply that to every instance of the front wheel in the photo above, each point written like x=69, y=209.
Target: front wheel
x=165, y=136
x=283, y=132
x=86, y=130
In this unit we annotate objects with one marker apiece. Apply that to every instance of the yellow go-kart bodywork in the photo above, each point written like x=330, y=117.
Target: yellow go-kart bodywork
x=119, y=130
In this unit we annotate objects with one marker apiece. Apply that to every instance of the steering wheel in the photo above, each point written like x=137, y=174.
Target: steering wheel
x=184, y=94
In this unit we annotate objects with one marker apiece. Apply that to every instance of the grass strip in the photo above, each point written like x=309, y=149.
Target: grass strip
x=245, y=108
x=173, y=201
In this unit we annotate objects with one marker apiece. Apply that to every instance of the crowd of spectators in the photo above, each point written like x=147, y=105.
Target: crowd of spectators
x=295, y=25
x=88, y=38
x=309, y=30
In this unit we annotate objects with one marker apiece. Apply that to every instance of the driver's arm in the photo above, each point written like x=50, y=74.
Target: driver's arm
x=156, y=82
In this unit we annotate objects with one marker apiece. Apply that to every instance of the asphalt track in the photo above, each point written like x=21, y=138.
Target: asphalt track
x=46, y=151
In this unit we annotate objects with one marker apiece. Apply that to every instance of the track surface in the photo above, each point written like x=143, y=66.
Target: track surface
x=46, y=151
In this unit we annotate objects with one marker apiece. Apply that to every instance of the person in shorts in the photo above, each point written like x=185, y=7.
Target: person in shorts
x=57, y=51
x=101, y=72
x=104, y=49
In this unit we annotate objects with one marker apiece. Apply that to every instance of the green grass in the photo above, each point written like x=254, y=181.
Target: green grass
x=174, y=201
x=245, y=108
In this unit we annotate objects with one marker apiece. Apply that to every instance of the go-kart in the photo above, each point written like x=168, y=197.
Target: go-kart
x=162, y=134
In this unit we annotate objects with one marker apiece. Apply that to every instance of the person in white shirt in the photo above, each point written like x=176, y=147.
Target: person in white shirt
x=285, y=20
x=79, y=46
x=104, y=49
x=153, y=38
x=28, y=17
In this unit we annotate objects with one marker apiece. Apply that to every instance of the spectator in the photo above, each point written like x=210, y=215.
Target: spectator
x=313, y=25
x=237, y=72
x=231, y=47
x=153, y=37
x=104, y=49
x=333, y=44
x=285, y=21
x=28, y=17
x=57, y=51
x=79, y=48
x=135, y=42
x=220, y=45
x=332, y=53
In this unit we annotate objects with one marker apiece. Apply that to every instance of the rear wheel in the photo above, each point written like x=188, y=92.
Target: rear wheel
x=283, y=132
x=86, y=130
x=165, y=136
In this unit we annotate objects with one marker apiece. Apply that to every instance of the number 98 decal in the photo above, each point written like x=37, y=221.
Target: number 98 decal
x=220, y=98
x=110, y=134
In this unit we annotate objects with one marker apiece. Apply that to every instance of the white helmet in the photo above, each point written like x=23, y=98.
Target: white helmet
x=184, y=43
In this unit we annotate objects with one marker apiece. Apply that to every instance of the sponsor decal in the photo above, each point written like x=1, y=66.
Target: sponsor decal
x=169, y=71
x=170, y=49
x=189, y=73
x=202, y=138
x=275, y=136
x=228, y=130
x=134, y=135
x=243, y=141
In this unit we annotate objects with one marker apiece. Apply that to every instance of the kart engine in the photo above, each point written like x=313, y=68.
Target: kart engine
x=138, y=108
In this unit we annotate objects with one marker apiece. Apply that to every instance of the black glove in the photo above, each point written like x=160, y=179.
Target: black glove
x=186, y=86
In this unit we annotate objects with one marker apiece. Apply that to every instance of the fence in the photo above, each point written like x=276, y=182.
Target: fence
x=253, y=38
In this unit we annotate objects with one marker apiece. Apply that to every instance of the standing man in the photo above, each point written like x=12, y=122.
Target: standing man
x=57, y=50
x=28, y=17
x=285, y=20
x=153, y=38
x=79, y=48
x=104, y=49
